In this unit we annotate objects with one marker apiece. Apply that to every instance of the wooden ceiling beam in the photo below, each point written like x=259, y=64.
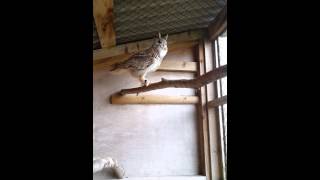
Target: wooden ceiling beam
x=103, y=16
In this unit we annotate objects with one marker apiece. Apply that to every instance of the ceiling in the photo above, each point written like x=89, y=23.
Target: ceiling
x=142, y=19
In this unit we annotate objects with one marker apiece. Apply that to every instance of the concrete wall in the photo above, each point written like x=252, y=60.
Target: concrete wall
x=148, y=140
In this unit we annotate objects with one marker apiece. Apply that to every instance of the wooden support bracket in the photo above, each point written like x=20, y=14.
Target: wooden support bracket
x=153, y=99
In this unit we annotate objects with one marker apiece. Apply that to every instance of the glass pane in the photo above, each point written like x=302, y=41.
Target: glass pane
x=223, y=50
x=219, y=88
x=224, y=86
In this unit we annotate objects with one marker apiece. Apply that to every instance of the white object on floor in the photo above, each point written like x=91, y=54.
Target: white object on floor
x=101, y=164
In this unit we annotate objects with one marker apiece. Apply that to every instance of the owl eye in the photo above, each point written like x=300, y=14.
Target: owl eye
x=159, y=41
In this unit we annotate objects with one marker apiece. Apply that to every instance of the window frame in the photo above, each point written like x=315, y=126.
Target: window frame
x=212, y=127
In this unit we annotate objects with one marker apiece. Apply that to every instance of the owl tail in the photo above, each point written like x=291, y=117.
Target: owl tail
x=117, y=70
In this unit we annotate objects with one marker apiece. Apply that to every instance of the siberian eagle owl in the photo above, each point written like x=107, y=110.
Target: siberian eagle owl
x=144, y=62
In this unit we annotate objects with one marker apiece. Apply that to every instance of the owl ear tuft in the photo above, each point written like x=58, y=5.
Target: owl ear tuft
x=166, y=37
x=159, y=35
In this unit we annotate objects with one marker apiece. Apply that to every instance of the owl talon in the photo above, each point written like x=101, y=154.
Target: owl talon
x=146, y=82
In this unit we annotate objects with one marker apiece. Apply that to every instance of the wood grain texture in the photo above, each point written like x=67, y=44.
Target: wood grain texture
x=176, y=66
x=217, y=102
x=103, y=16
x=181, y=59
x=203, y=117
x=158, y=141
x=168, y=178
x=212, y=115
x=153, y=99
x=181, y=40
x=185, y=54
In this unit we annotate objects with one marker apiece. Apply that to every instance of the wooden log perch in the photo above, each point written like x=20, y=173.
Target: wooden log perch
x=192, y=83
x=153, y=99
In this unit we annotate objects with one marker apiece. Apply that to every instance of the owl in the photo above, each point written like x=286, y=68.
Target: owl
x=142, y=63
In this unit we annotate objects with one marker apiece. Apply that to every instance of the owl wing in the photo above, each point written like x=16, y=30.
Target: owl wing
x=138, y=61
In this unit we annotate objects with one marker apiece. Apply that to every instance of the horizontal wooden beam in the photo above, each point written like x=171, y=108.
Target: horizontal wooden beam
x=219, y=24
x=217, y=102
x=202, y=80
x=174, y=41
x=175, y=65
x=167, y=178
x=153, y=99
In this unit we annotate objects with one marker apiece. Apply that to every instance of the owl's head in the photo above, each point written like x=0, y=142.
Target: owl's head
x=159, y=41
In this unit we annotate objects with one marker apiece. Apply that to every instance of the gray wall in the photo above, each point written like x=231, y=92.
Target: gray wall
x=148, y=140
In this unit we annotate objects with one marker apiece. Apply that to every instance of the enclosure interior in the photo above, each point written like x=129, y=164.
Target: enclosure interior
x=148, y=140
x=155, y=140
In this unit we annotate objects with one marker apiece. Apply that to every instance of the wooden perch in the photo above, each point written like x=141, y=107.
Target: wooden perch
x=153, y=99
x=217, y=102
x=174, y=66
x=193, y=83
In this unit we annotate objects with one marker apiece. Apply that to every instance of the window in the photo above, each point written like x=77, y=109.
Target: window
x=221, y=59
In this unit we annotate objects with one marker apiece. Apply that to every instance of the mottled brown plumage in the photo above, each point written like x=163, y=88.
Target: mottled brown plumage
x=144, y=62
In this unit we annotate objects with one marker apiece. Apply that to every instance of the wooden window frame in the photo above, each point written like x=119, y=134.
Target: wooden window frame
x=208, y=116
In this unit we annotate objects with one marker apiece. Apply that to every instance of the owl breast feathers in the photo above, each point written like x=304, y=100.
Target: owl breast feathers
x=139, y=61
x=146, y=61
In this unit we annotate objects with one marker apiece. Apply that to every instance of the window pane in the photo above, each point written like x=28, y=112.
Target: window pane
x=224, y=86
x=223, y=50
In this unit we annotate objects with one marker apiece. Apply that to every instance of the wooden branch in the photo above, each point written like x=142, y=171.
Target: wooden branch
x=153, y=99
x=210, y=116
x=105, y=63
x=217, y=102
x=103, y=16
x=219, y=24
x=193, y=83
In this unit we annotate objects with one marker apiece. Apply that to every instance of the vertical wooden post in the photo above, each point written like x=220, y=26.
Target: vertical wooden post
x=203, y=118
x=103, y=16
x=213, y=116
